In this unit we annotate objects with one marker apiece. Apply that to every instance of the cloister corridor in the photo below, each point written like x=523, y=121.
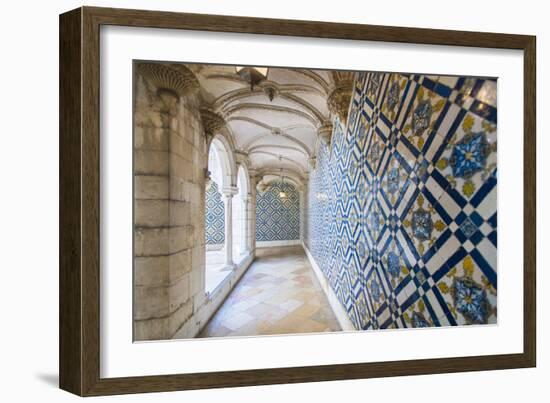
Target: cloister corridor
x=283, y=200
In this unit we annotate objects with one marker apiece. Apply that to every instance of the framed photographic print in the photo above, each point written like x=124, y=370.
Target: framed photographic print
x=251, y=201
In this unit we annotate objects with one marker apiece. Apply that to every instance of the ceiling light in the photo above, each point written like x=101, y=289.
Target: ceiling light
x=282, y=193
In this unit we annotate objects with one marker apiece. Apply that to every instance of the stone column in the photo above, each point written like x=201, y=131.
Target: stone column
x=168, y=178
x=245, y=226
x=228, y=194
x=302, y=214
x=325, y=134
x=252, y=223
x=254, y=180
x=311, y=163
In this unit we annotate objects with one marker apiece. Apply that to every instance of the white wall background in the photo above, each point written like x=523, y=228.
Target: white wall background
x=29, y=202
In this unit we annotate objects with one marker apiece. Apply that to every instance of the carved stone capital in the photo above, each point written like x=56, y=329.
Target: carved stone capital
x=173, y=77
x=207, y=179
x=230, y=191
x=312, y=162
x=339, y=99
x=262, y=186
x=212, y=122
x=325, y=132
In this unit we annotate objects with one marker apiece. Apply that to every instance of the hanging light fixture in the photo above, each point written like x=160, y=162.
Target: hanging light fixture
x=282, y=193
x=251, y=74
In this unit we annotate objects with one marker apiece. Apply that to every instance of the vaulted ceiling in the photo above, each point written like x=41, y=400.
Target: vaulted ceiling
x=277, y=133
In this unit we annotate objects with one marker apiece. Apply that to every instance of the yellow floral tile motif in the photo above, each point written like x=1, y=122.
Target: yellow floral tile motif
x=396, y=85
x=363, y=310
x=375, y=291
x=470, y=296
x=395, y=265
x=394, y=179
x=470, y=155
x=417, y=315
x=423, y=116
x=374, y=84
x=423, y=224
x=375, y=151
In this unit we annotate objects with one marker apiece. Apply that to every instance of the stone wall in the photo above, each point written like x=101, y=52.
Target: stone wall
x=169, y=161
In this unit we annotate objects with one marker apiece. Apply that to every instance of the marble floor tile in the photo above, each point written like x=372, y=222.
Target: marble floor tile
x=279, y=294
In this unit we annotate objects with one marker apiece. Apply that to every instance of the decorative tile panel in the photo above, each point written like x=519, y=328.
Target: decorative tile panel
x=214, y=216
x=278, y=219
x=402, y=213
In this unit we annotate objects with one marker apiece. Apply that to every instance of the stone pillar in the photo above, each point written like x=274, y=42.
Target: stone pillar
x=302, y=213
x=254, y=180
x=304, y=209
x=252, y=223
x=245, y=226
x=325, y=133
x=228, y=194
x=311, y=163
x=168, y=176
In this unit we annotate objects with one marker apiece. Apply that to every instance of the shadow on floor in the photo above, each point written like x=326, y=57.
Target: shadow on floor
x=49, y=379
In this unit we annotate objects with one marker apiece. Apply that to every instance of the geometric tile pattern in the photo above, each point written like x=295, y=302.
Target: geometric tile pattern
x=402, y=206
x=278, y=219
x=214, y=216
x=278, y=294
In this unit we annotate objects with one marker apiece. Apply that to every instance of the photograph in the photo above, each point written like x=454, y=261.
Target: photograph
x=247, y=202
x=270, y=200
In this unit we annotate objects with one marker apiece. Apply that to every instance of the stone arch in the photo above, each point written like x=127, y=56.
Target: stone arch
x=218, y=260
x=244, y=175
x=289, y=179
x=270, y=174
x=227, y=160
x=242, y=211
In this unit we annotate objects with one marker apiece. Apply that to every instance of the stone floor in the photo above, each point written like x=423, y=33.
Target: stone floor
x=216, y=270
x=279, y=294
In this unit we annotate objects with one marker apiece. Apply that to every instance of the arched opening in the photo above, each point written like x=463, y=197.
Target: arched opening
x=215, y=211
x=218, y=233
x=278, y=211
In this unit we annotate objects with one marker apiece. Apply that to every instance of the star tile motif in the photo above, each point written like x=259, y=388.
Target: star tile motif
x=406, y=231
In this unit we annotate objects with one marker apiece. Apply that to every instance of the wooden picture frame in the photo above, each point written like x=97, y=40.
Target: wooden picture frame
x=79, y=346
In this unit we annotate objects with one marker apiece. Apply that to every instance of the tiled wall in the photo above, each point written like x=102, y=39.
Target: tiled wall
x=402, y=206
x=214, y=216
x=278, y=219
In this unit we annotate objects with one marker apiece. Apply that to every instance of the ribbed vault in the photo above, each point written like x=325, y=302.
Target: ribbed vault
x=278, y=123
